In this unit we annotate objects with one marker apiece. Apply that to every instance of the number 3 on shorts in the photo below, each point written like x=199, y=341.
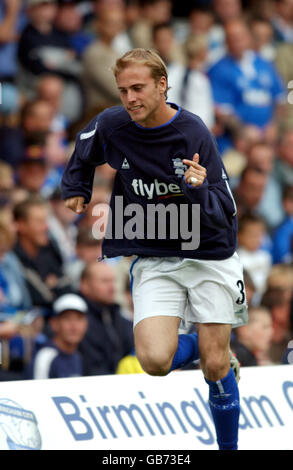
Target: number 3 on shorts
x=240, y=285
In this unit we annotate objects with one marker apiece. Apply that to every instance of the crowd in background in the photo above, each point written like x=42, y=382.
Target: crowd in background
x=231, y=63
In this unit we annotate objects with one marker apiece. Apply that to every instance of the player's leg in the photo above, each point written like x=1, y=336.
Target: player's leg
x=217, y=303
x=156, y=340
x=214, y=342
x=159, y=348
x=159, y=304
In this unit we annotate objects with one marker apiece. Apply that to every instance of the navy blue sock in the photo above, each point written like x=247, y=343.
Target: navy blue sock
x=187, y=351
x=225, y=408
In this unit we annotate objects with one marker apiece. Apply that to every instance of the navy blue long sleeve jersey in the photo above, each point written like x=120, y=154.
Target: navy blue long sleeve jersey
x=150, y=173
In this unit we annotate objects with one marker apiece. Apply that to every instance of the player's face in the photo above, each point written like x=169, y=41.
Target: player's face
x=141, y=96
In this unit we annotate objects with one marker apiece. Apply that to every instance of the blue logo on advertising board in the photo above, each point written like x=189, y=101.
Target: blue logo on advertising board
x=18, y=427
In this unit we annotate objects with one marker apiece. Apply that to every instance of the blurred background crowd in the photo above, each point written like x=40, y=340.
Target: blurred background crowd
x=230, y=62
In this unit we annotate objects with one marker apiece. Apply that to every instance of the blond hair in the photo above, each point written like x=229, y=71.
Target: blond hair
x=195, y=44
x=254, y=312
x=147, y=57
x=280, y=275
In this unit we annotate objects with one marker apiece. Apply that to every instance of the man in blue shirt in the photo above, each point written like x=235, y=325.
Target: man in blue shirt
x=167, y=161
x=59, y=357
x=283, y=236
x=246, y=87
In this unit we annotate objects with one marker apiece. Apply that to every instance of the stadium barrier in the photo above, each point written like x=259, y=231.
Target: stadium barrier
x=142, y=412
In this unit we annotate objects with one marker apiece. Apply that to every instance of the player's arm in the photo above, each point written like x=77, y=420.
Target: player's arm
x=78, y=177
x=196, y=174
x=76, y=204
x=215, y=199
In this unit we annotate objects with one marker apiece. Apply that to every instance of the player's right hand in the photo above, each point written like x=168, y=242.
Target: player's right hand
x=76, y=204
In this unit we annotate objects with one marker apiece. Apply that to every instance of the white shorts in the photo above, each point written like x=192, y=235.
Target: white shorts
x=197, y=291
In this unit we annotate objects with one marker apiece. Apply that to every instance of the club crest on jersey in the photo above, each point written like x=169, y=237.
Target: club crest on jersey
x=179, y=167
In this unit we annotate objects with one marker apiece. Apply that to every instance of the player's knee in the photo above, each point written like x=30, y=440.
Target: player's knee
x=154, y=363
x=215, y=366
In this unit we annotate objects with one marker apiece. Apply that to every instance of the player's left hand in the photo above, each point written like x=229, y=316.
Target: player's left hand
x=195, y=170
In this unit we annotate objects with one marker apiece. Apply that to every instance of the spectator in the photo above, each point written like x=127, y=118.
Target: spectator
x=166, y=45
x=37, y=117
x=201, y=19
x=263, y=8
x=190, y=88
x=59, y=357
x=98, y=59
x=14, y=301
x=227, y=10
x=132, y=12
x=152, y=12
x=55, y=154
x=18, y=195
x=109, y=336
x=6, y=213
x=50, y=88
x=38, y=139
x=35, y=122
x=6, y=178
x=283, y=171
x=62, y=228
x=235, y=158
x=263, y=37
x=39, y=257
x=283, y=20
x=13, y=291
x=32, y=170
x=256, y=261
x=38, y=36
x=121, y=266
x=278, y=298
x=87, y=249
x=249, y=288
x=246, y=87
x=224, y=11
x=284, y=64
x=252, y=346
x=250, y=190
x=121, y=42
x=283, y=236
x=261, y=155
x=44, y=50
x=129, y=365
x=69, y=22
x=11, y=23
